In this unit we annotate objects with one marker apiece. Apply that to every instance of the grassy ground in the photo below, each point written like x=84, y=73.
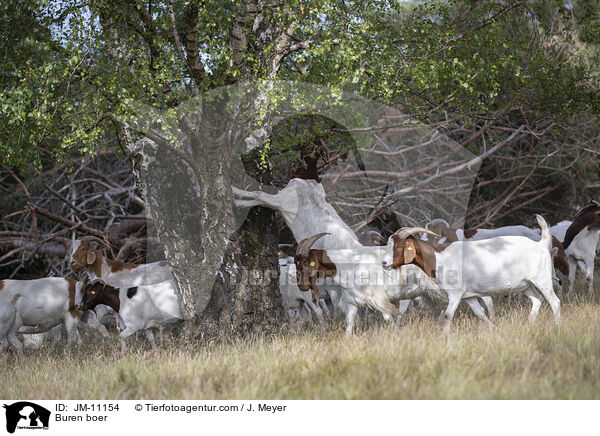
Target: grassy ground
x=516, y=360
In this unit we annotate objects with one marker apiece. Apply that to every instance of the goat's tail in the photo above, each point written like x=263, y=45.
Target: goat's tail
x=546, y=235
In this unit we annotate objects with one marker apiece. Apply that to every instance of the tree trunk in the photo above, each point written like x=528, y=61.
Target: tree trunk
x=228, y=283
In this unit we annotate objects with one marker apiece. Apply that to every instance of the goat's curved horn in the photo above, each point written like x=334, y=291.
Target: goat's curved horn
x=437, y=221
x=305, y=245
x=405, y=232
x=95, y=239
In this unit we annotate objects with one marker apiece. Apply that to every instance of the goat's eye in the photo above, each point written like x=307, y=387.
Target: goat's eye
x=313, y=263
x=409, y=248
x=92, y=292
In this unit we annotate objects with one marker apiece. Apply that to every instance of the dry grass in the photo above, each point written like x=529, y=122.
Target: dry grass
x=516, y=360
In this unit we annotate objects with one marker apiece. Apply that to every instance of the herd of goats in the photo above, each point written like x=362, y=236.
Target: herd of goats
x=436, y=264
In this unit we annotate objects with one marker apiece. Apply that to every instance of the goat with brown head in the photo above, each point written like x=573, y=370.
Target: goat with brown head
x=84, y=256
x=97, y=292
x=581, y=240
x=312, y=265
x=409, y=250
x=588, y=218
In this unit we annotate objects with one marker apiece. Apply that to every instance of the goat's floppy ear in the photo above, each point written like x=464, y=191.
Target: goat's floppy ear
x=410, y=251
x=91, y=257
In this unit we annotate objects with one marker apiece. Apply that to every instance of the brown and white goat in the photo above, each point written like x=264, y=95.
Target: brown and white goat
x=46, y=303
x=501, y=265
x=312, y=265
x=86, y=257
x=581, y=240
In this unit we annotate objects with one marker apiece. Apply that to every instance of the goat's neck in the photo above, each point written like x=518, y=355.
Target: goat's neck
x=96, y=269
x=111, y=297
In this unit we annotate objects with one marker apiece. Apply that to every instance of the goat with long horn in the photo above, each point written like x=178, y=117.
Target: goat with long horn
x=311, y=264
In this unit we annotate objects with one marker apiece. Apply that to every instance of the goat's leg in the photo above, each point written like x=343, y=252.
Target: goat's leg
x=93, y=322
x=589, y=274
x=551, y=298
x=389, y=318
x=351, y=311
x=323, y=306
x=150, y=337
x=475, y=306
x=572, y=273
x=489, y=304
x=291, y=314
x=124, y=335
x=318, y=313
x=453, y=302
x=255, y=198
x=14, y=340
x=71, y=326
x=403, y=306
x=536, y=302
x=334, y=296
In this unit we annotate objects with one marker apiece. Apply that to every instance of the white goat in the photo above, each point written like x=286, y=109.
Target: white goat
x=45, y=303
x=496, y=266
x=141, y=307
x=8, y=325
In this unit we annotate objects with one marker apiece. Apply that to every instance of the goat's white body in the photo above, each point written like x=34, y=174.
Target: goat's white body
x=8, y=326
x=44, y=303
x=364, y=282
x=153, y=305
x=517, y=230
x=496, y=266
x=500, y=231
x=144, y=274
x=305, y=209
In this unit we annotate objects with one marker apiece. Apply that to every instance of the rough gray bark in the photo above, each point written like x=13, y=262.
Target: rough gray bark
x=227, y=283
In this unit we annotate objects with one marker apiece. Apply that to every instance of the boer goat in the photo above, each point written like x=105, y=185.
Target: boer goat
x=292, y=298
x=496, y=266
x=45, y=303
x=140, y=307
x=581, y=241
x=84, y=257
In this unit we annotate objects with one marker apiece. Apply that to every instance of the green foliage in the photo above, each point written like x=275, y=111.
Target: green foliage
x=67, y=68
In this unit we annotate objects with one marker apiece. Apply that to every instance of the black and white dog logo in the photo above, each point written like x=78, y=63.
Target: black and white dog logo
x=26, y=415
